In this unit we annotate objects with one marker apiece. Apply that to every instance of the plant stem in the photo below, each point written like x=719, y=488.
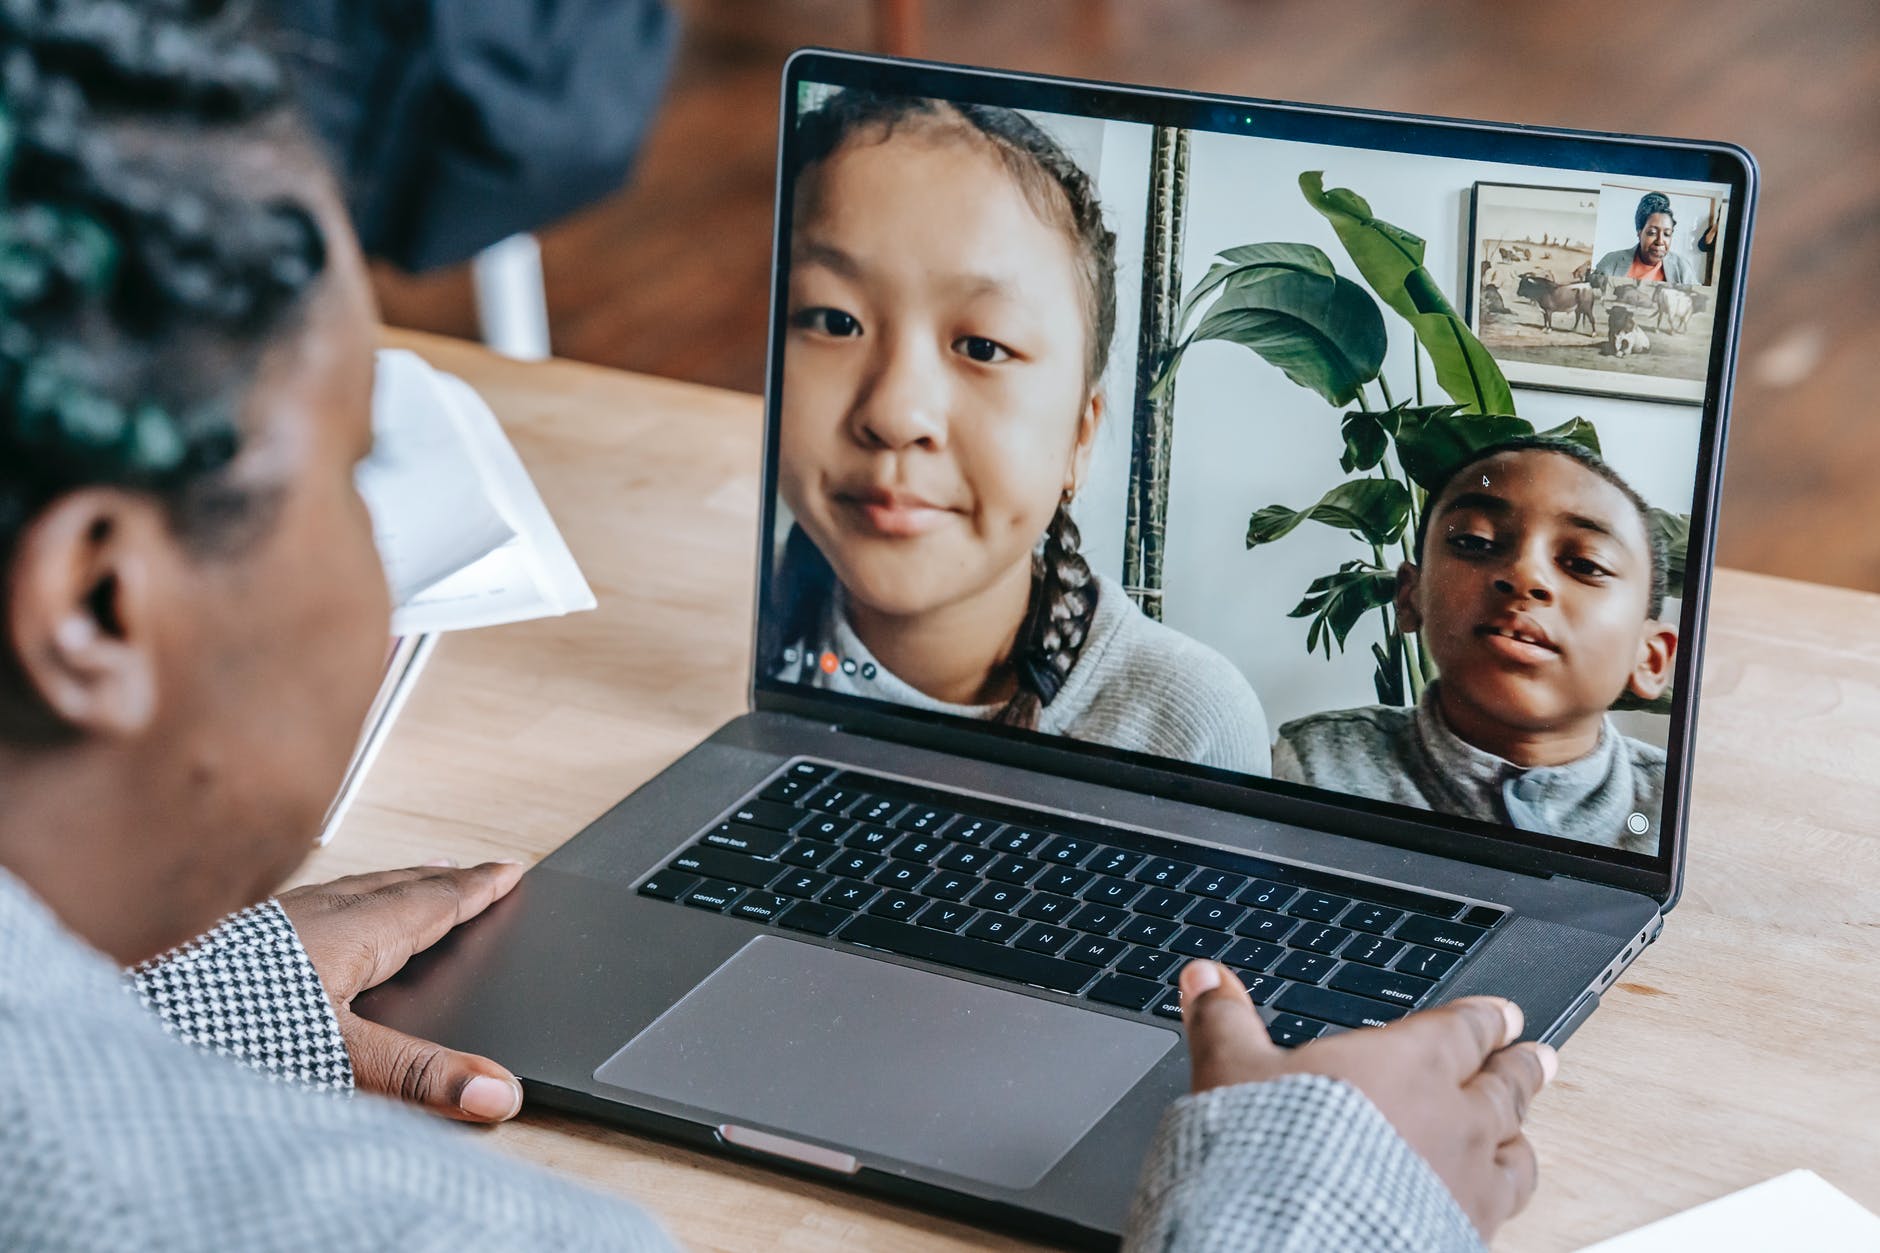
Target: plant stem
x=1413, y=666
x=1385, y=388
x=1416, y=355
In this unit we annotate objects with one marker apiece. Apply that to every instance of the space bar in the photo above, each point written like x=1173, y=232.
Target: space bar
x=974, y=955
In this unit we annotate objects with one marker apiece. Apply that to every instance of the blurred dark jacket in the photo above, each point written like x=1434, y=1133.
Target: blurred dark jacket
x=456, y=123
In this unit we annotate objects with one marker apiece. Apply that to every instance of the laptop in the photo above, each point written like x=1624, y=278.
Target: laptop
x=1192, y=527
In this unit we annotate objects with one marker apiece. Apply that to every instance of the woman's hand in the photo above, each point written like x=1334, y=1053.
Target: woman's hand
x=1447, y=1079
x=360, y=931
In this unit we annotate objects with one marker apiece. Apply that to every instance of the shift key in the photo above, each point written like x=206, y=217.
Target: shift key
x=1339, y=1007
x=719, y=863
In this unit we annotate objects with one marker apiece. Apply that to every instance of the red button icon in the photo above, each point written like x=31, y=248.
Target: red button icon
x=828, y=663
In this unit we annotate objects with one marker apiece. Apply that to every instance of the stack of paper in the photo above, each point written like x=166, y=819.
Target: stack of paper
x=465, y=538
x=1799, y=1210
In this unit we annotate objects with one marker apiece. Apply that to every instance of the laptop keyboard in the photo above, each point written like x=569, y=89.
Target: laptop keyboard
x=1107, y=914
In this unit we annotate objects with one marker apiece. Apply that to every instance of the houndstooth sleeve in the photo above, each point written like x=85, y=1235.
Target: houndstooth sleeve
x=1294, y=1164
x=248, y=991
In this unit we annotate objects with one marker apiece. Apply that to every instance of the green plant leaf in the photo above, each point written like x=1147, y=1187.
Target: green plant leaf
x=1675, y=530
x=1324, y=333
x=1463, y=368
x=1575, y=431
x=1432, y=440
x=1165, y=377
x=1367, y=435
x=1375, y=509
x=1337, y=601
x=1383, y=253
x=1388, y=678
x=1307, y=257
x=1391, y=260
x=1250, y=263
x=1631, y=703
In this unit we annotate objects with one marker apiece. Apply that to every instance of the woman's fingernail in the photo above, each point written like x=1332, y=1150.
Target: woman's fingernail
x=1511, y=1013
x=1200, y=977
x=440, y=861
x=491, y=1098
x=1550, y=1063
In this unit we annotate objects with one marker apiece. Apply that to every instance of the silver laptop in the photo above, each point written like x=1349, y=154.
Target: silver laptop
x=1193, y=527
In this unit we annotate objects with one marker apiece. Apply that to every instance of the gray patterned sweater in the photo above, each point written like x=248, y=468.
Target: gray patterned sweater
x=118, y=1138
x=1137, y=684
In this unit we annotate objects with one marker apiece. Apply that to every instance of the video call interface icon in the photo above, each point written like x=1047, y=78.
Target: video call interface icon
x=829, y=663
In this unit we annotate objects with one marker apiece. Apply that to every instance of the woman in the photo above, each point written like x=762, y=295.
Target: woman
x=1651, y=259
x=194, y=618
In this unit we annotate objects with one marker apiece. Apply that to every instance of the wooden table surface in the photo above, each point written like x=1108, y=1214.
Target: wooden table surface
x=1740, y=1046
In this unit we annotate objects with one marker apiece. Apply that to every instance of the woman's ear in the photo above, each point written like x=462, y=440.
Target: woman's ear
x=1657, y=654
x=1088, y=423
x=80, y=616
x=1409, y=618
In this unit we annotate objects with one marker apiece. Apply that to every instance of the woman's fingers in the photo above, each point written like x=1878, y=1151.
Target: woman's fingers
x=1520, y=1175
x=1464, y=1033
x=354, y=885
x=456, y=1085
x=409, y=917
x=1507, y=1084
x=361, y=931
x=1227, y=1042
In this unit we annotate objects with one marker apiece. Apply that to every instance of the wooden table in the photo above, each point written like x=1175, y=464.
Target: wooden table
x=1742, y=1045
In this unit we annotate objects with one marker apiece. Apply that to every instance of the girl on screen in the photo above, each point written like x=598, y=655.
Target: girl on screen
x=951, y=303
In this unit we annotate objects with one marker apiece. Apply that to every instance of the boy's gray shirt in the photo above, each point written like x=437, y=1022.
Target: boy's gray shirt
x=1411, y=757
x=1137, y=684
x=118, y=1136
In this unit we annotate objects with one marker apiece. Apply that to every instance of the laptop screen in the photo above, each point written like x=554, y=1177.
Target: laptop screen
x=1362, y=465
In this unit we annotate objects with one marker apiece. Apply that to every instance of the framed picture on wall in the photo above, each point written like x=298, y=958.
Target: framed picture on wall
x=1603, y=290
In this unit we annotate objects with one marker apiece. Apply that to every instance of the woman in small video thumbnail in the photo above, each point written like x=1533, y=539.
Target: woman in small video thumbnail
x=1651, y=259
x=951, y=304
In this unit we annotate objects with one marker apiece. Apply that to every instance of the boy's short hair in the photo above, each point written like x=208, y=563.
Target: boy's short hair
x=1654, y=539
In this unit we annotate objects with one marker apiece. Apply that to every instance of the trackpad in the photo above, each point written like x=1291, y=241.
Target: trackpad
x=887, y=1061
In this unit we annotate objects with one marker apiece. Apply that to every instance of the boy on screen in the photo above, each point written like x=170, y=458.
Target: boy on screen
x=1537, y=587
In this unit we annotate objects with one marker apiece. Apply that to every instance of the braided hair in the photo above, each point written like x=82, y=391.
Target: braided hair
x=140, y=283
x=1649, y=203
x=1063, y=599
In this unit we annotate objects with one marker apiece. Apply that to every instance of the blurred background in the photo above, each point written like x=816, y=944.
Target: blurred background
x=669, y=274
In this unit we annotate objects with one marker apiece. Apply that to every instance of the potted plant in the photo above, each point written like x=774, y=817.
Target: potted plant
x=1287, y=303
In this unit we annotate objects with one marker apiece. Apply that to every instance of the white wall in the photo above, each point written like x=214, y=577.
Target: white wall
x=1246, y=437
x=1116, y=157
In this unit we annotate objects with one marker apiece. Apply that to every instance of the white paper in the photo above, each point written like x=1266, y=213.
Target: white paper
x=531, y=576
x=464, y=537
x=431, y=515
x=1799, y=1210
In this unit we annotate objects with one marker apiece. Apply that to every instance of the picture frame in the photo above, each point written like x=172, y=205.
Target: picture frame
x=1537, y=295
